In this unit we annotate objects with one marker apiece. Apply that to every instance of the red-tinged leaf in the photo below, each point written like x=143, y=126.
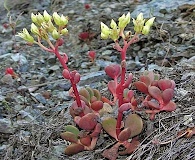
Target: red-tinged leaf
x=111, y=153
x=173, y=84
x=97, y=105
x=84, y=92
x=109, y=125
x=112, y=88
x=97, y=94
x=130, y=146
x=96, y=131
x=153, y=105
x=84, y=36
x=171, y=106
x=106, y=100
x=93, y=99
x=155, y=93
x=74, y=149
x=113, y=70
x=92, y=55
x=154, y=83
x=135, y=123
x=88, y=121
x=152, y=113
x=65, y=57
x=85, y=100
x=141, y=87
x=145, y=79
x=164, y=84
x=130, y=94
x=66, y=74
x=124, y=134
x=128, y=81
x=167, y=95
x=77, y=78
x=86, y=141
x=69, y=136
x=124, y=107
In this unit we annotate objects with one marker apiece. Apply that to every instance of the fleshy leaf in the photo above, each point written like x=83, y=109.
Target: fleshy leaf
x=72, y=129
x=124, y=134
x=141, y=87
x=90, y=90
x=109, y=125
x=153, y=105
x=145, y=79
x=88, y=121
x=111, y=153
x=97, y=105
x=96, y=130
x=124, y=107
x=112, y=89
x=155, y=93
x=164, y=84
x=73, y=149
x=135, y=123
x=171, y=106
x=86, y=141
x=167, y=95
x=83, y=92
x=113, y=70
x=69, y=136
x=130, y=146
x=97, y=94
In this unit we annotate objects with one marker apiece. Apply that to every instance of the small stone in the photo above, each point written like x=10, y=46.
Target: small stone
x=106, y=53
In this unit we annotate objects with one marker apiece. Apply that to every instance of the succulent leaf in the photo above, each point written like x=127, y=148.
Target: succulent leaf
x=72, y=129
x=109, y=125
x=73, y=149
x=69, y=136
x=141, y=86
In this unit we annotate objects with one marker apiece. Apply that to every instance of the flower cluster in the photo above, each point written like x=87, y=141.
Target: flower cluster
x=44, y=26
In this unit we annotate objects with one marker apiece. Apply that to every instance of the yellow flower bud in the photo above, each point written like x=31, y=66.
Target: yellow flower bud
x=55, y=34
x=40, y=19
x=26, y=36
x=124, y=20
x=50, y=26
x=56, y=18
x=113, y=24
x=64, y=20
x=105, y=30
x=34, y=18
x=104, y=36
x=145, y=30
x=46, y=16
x=150, y=22
x=114, y=35
x=64, y=31
x=139, y=23
x=34, y=29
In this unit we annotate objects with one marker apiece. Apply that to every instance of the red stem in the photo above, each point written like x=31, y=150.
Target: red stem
x=121, y=90
x=74, y=86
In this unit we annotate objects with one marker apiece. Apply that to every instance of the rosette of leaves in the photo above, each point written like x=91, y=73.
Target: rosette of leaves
x=159, y=93
x=80, y=140
x=132, y=127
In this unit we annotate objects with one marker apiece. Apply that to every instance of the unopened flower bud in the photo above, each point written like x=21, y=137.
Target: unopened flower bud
x=40, y=19
x=34, y=18
x=145, y=30
x=55, y=34
x=56, y=18
x=105, y=31
x=64, y=31
x=34, y=29
x=26, y=36
x=64, y=20
x=46, y=16
x=124, y=20
x=113, y=24
x=150, y=22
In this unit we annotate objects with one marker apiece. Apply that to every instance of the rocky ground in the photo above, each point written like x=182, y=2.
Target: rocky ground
x=34, y=107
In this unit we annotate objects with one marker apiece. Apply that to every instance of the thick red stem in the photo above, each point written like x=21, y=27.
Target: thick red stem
x=120, y=94
x=76, y=93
